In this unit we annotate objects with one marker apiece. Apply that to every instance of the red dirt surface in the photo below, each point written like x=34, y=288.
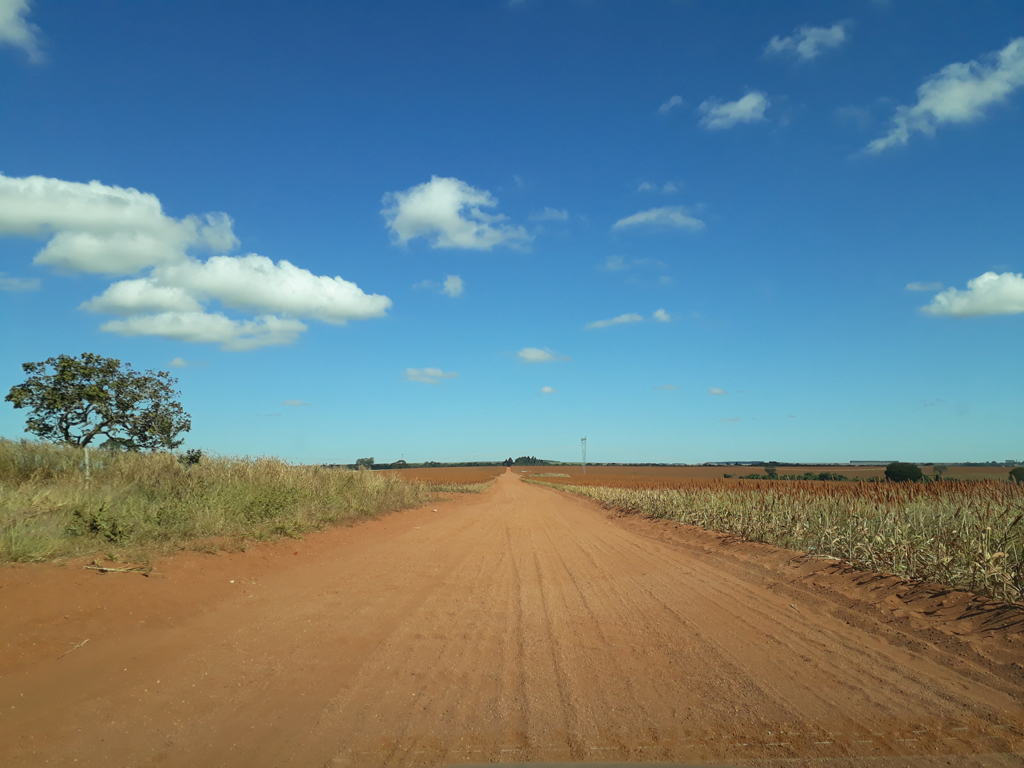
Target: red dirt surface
x=520, y=624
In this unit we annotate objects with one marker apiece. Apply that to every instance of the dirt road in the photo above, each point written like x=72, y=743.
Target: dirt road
x=521, y=624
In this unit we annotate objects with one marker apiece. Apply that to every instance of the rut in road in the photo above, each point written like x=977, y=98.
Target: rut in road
x=523, y=624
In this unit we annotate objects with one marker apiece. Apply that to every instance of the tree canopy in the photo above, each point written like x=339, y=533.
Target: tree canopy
x=79, y=399
x=901, y=472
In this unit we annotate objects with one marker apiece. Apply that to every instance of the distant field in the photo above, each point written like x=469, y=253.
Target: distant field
x=669, y=476
x=446, y=475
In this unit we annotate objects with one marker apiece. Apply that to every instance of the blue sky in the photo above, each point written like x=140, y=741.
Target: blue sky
x=467, y=230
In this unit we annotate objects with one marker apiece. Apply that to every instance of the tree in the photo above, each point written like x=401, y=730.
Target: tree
x=508, y=462
x=89, y=396
x=771, y=470
x=366, y=463
x=900, y=472
x=1017, y=474
x=939, y=469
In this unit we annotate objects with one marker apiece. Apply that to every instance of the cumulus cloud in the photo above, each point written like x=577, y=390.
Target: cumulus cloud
x=959, y=93
x=662, y=316
x=102, y=229
x=17, y=31
x=807, y=42
x=535, y=355
x=179, y=362
x=716, y=391
x=667, y=386
x=296, y=403
x=18, y=283
x=674, y=216
x=988, y=294
x=178, y=294
x=924, y=286
x=550, y=214
x=427, y=375
x=448, y=212
x=615, y=264
x=452, y=286
x=672, y=103
x=630, y=317
x=720, y=115
x=205, y=327
x=548, y=390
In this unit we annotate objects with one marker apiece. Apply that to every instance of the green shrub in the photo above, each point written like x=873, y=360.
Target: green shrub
x=901, y=472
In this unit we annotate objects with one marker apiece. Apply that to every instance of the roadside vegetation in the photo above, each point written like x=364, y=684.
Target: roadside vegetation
x=965, y=535
x=137, y=504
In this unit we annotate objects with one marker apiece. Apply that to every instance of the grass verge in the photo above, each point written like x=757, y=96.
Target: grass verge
x=139, y=504
x=961, y=535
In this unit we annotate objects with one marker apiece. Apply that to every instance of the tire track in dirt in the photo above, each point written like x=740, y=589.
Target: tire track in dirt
x=521, y=624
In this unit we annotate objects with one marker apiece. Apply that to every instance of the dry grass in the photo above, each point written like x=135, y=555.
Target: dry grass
x=145, y=503
x=967, y=535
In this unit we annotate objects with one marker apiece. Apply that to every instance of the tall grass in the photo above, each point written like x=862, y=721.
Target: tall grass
x=152, y=502
x=967, y=535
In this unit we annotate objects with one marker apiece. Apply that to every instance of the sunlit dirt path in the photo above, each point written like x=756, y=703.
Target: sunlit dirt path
x=518, y=625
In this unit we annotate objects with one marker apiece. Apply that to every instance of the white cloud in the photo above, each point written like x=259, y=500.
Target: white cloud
x=548, y=390
x=252, y=282
x=674, y=216
x=131, y=297
x=807, y=42
x=672, y=103
x=733, y=419
x=924, y=286
x=615, y=264
x=295, y=403
x=15, y=30
x=534, y=355
x=719, y=115
x=668, y=187
x=631, y=317
x=550, y=214
x=988, y=294
x=428, y=285
x=452, y=286
x=18, y=283
x=662, y=316
x=103, y=229
x=448, y=212
x=667, y=386
x=178, y=362
x=427, y=375
x=959, y=93
x=235, y=335
x=112, y=230
x=716, y=391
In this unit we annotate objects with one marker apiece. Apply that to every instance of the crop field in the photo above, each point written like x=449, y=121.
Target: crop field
x=667, y=476
x=449, y=479
x=965, y=535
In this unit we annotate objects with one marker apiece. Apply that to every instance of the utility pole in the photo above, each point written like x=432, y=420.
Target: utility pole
x=583, y=443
